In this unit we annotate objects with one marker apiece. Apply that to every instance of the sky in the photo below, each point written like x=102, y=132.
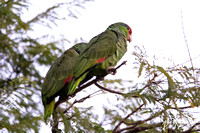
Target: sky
x=158, y=25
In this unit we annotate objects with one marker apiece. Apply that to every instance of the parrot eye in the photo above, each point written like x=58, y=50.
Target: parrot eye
x=128, y=28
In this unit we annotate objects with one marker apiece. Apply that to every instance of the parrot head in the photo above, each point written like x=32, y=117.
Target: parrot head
x=123, y=29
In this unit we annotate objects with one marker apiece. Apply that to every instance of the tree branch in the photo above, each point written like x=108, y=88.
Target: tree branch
x=191, y=128
x=135, y=124
x=123, y=63
x=177, y=108
x=106, y=89
x=112, y=91
x=123, y=120
x=149, y=82
x=142, y=128
x=79, y=101
x=186, y=42
x=75, y=92
x=54, y=128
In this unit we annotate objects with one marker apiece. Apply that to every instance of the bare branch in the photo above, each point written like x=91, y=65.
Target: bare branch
x=186, y=40
x=191, y=128
x=106, y=89
x=186, y=107
x=142, y=128
x=150, y=82
x=135, y=124
x=79, y=101
x=112, y=91
x=54, y=128
x=123, y=120
x=123, y=63
x=195, y=80
x=75, y=92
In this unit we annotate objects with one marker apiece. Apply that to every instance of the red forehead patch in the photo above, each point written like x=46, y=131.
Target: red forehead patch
x=129, y=30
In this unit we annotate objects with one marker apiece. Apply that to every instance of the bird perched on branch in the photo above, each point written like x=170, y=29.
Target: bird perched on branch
x=83, y=61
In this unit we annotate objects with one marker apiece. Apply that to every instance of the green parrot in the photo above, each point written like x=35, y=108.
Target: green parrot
x=83, y=61
x=58, y=78
x=102, y=53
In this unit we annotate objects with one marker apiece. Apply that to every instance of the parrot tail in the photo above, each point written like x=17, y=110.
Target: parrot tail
x=48, y=109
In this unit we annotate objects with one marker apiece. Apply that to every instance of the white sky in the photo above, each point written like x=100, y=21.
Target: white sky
x=156, y=25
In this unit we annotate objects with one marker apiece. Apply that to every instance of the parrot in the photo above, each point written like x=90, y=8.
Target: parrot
x=83, y=61
x=58, y=77
x=102, y=53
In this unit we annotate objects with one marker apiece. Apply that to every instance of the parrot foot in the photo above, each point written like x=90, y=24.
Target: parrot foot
x=111, y=70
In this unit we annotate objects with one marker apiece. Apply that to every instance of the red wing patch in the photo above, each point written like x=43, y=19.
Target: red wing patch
x=68, y=80
x=100, y=60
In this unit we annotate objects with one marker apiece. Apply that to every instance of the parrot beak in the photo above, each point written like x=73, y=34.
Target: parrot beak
x=129, y=38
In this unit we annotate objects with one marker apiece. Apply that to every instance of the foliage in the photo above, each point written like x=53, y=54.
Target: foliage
x=21, y=57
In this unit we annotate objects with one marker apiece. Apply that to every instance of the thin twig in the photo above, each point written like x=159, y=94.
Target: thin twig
x=54, y=128
x=106, y=89
x=133, y=125
x=142, y=128
x=191, y=128
x=186, y=107
x=112, y=91
x=186, y=42
x=123, y=63
x=79, y=101
x=75, y=92
x=122, y=121
x=149, y=82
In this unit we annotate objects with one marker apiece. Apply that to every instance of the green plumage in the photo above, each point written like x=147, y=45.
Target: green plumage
x=54, y=82
x=111, y=45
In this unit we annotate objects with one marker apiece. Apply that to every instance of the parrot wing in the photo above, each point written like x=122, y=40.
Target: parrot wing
x=60, y=73
x=98, y=50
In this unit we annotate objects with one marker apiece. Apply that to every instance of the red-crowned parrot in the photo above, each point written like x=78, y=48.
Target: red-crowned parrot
x=58, y=77
x=82, y=61
x=102, y=53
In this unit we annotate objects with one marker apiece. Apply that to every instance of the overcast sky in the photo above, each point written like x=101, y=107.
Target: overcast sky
x=156, y=25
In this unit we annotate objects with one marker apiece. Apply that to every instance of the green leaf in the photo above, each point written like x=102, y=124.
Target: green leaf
x=171, y=84
x=141, y=68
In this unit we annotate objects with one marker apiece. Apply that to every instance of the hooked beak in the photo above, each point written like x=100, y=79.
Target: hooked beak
x=129, y=38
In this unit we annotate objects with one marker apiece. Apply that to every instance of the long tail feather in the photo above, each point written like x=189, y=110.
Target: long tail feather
x=48, y=109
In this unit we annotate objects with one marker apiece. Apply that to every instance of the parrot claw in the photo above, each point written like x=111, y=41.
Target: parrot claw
x=111, y=70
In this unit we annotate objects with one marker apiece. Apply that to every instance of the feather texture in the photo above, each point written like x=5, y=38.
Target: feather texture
x=60, y=74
